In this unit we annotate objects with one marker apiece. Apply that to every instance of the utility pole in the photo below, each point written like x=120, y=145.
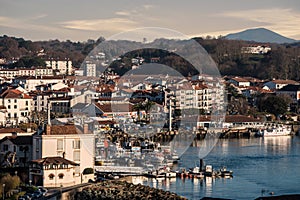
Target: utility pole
x=170, y=115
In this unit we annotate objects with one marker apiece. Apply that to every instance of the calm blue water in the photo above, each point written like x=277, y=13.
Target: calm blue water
x=260, y=166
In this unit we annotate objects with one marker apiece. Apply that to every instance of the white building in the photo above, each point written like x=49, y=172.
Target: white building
x=12, y=73
x=18, y=105
x=256, y=49
x=68, y=142
x=240, y=82
x=30, y=83
x=64, y=67
x=90, y=69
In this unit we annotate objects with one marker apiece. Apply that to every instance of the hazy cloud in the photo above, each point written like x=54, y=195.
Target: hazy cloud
x=111, y=24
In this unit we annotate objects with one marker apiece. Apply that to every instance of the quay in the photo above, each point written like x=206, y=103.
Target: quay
x=119, y=170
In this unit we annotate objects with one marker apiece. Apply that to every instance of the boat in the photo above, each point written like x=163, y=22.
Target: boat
x=225, y=173
x=170, y=174
x=163, y=172
x=275, y=130
x=196, y=173
x=208, y=171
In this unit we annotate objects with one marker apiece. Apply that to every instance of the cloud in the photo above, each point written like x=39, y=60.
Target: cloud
x=123, y=13
x=111, y=24
x=139, y=11
x=283, y=21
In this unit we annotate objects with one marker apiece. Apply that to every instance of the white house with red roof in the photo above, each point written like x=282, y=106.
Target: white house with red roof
x=63, y=142
x=240, y=82
x=17, y=104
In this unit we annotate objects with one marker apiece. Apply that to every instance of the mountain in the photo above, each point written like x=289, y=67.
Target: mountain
x=260, y=35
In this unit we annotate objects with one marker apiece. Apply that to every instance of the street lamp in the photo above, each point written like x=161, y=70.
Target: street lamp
x=30, y=182
x=3, y=191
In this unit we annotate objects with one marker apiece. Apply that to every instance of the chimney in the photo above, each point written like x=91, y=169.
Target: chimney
x=48, y=129
x=85, y=128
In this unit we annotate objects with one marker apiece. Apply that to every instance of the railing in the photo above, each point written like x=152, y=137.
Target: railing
x=119, y=169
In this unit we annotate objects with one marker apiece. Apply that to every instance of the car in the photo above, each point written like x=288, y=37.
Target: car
x=43, y=190
x=28, y=196
x=100, y=179
x=37, y=194
x=22, y=198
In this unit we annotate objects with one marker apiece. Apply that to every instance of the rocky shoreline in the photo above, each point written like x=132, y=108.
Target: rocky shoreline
x=116, y=189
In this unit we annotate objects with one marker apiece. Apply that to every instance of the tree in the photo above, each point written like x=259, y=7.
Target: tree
x=11, y=182
x=275, y=105
x=146, y=106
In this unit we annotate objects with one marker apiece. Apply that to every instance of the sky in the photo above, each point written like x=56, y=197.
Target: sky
x=78, y=20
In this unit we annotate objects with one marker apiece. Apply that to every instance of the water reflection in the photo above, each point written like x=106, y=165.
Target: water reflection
x=279, y=144
x=258, y=163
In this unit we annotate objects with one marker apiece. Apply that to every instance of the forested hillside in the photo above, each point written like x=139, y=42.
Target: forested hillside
x=282, y=62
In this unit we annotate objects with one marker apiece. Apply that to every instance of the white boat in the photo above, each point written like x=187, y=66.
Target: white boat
x=276, y=130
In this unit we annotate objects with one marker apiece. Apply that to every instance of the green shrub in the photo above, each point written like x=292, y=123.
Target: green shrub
x=88, y=171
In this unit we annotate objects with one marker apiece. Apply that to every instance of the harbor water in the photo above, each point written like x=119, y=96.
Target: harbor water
x=261, y=167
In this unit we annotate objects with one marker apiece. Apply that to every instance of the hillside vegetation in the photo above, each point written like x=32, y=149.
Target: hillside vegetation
x=283, y=62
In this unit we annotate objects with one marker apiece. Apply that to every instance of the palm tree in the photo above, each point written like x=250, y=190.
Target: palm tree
x=146, y=105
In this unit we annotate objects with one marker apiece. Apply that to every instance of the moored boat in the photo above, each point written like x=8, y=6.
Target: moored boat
x=275, y=130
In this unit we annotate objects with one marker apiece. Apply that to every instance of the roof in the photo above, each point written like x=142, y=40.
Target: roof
x=11, y=130
x=279, y=81
x=79, y=106
x=106, y=122
x=290, y=87
x=239, y=79
x=200, y=87
x=14, y=94
x=19, y=140
x=54, y=160
x=64, y=129
x=115, y=107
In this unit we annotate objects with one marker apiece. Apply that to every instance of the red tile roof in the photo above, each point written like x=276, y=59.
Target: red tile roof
x=115, y=107
x=11, y=130
x=279, y=81
x=64, y=129
x=54, y=160
x=14, y=94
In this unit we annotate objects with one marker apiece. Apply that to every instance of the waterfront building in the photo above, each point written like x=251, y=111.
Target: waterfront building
x=72, y=146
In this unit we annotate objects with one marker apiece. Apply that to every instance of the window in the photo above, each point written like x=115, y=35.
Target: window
x=37, y=145
x=15, y=115
x=15, y=100
x=76, y=144
x=8, y=106
x=8, y=100
x=26, y=103
x=77, y=169
x=5, y=147
x=76, y=155
x=61, y=176
x=15, y=106
x=8, y=115
x=51, y=176
x=60, y=144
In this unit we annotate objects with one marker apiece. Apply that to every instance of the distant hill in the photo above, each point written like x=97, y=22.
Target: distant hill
x=260, y=35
